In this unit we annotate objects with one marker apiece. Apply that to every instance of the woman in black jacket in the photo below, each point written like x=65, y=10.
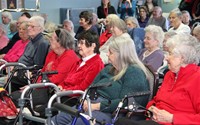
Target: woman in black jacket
x=105, y=9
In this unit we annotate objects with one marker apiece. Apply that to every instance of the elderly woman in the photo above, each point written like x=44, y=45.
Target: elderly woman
x=118, y=28
x=105, y=9
x=88, y=67
x=107, y=34
x=3, y=37
x=126, y=73
x=152, y=55
x=85, y=21
x=18, y=49
x=62, y=45
x=196, y=32
x=175, y=18
x=132, y=22
x=177, y=101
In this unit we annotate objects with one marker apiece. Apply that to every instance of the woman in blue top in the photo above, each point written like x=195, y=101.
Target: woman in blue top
x=126, y=8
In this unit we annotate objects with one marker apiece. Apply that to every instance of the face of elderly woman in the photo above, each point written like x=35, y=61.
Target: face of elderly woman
x=33, y=29
x=83, y=22
x=54, y=44
x=116, y=31
x=174, y=61
x=175, y=21
x=23, y=34
x=85, y=51
x=149, y=41
x=112, y=57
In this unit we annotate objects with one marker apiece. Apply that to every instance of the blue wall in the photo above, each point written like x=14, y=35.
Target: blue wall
x=51, y=7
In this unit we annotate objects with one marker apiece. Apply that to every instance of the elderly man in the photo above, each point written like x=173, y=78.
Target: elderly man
x=35, y=51
x=196, y=32
x=175, y=18
x=157, y=19
x=69, y=26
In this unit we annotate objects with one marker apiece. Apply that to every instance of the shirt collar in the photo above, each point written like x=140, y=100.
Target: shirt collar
x=88, y=57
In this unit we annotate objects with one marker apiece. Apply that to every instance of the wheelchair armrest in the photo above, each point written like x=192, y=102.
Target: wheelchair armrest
x=100, y=85
x=66, y=109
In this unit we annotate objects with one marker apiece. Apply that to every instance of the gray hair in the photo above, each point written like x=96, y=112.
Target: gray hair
x=120, y=24
x=186, y=12
x=65, y=39
x=177, y=12
x=126, y=55
x=39, y=20
x=70, y=22
x=133, y=20
x=186, y=46
x=157, y=33
x=112, y=17
x=7, y=14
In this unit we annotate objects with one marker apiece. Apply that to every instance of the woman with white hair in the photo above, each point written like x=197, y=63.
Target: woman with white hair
x=177, y=101
x=152, y=55
x=6, y=18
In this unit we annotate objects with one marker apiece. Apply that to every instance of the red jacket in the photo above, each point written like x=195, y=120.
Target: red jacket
x=83, y=76
x=63, y=64
x=104, y=37
x=180, y=96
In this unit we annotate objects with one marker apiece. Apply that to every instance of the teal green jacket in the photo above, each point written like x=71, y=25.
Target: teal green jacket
x=134, y=80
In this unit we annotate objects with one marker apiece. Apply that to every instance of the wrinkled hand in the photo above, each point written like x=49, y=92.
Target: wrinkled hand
x=95, y=106
x=161, y=115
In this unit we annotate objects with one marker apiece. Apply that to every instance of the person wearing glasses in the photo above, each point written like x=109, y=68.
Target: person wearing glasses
x=177, y=100
x=125, y=72
x=35, y=51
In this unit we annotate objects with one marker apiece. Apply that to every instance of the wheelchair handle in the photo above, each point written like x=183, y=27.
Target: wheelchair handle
x=100, y=85
x=34, y=67
x=67, y=109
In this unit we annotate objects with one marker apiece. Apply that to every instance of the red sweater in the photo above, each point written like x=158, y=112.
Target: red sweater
x=181, y=97
x=83, y=76
x=63, y=64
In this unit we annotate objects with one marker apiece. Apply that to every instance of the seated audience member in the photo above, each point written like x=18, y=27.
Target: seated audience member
x=152, y=55
x=150, y=4
x=186, y=18
x=26, y=14
x=143, y=16
x=105, y=9
x=35, y=51
x=177, y=100
x=107, y=34
x=87, y=68
x=3, y=37
x=6, y=18
x=15, y=38
x=18, y=49
x=13, y=29
x=126, y=73
x=158, y=19
x=175, y=18
x=131, y=22
x=69, y=26
x=61, y=58
x=118, y=29
x=126, y=8
x=196, y=32
x=85, y=21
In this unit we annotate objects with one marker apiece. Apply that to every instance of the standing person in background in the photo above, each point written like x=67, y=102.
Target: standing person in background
x=150, y=4
x=105, y=9
x=6, y=18
x=126, y=8
x=143, y=16
x=3, y=37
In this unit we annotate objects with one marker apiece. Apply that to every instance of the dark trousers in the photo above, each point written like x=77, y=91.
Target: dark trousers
x=126, y=121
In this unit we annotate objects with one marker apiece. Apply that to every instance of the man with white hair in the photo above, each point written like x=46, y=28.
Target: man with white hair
x=35, y=51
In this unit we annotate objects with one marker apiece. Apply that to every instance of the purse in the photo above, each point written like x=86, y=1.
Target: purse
x=7, y=107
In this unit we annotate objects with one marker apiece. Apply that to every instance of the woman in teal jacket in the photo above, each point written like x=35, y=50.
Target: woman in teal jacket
x=127, y=75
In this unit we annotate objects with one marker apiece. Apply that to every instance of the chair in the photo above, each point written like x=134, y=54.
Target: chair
x=137, y=34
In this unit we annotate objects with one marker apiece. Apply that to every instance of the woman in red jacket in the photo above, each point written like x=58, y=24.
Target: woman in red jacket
x=178, y=100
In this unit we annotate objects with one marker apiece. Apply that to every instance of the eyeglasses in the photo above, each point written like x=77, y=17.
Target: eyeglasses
x=32, y=26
